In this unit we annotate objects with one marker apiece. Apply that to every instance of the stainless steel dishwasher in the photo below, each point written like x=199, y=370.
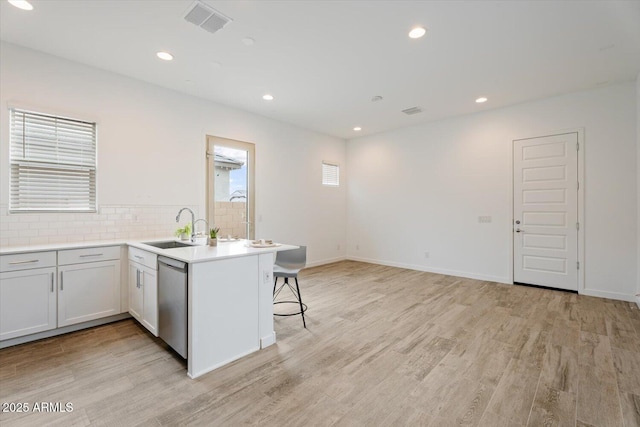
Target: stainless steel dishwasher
x=172, y=304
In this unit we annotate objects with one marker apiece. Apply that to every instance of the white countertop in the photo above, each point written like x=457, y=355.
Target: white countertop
x=203, y=253
x=8, y=250
x=190, y=254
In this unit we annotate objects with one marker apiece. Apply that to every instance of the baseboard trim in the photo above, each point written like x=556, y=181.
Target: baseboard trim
x=446, y=272
x=609, y=295
x=326, y=261
x=64, y=330
x=219, y=365
x=268, y=340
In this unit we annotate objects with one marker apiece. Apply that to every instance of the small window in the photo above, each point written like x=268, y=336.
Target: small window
x=53, y=163
x=330, y=174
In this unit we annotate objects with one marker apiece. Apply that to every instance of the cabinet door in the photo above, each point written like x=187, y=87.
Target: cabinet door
x=27, y=302
x=88, y=291
x=150, y=302
x=135, y=291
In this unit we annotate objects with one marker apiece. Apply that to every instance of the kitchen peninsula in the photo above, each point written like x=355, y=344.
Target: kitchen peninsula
x=230, y=301
x=49, y=290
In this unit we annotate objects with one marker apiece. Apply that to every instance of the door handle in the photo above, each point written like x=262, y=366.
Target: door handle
x=519, y=230
x=61, y=281
x=52, y=282
x=137, y=278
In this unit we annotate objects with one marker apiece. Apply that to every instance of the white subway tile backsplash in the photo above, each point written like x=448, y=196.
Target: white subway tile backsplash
x=40, y=240
x=111, y=222
x=18, y=241
x=12, y=233
x=58, y=239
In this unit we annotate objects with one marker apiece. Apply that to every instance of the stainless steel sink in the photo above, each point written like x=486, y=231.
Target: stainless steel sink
x=169, y=244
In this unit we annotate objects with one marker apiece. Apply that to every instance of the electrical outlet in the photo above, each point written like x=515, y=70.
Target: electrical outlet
x=357, y=247
x=426, y=255
x=338, y=248
x=267, y=276
x=484, y=219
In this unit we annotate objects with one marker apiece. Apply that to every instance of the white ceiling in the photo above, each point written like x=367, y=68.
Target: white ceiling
x=324, y=60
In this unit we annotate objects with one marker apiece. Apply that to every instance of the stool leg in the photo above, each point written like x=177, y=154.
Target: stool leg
x=275, y=282
x=300, y=301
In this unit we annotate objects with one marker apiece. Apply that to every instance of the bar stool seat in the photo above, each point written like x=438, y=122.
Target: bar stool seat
x=287, y=265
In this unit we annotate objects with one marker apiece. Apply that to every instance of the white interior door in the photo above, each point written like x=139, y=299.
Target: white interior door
x=545, y=211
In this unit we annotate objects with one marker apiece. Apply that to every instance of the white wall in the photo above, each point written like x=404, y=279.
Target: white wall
x=151, y=151
x=638, y=184
x=421, y=189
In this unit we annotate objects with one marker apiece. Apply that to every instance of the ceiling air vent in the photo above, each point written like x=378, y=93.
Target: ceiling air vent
x=412, y=110
x=206, y=17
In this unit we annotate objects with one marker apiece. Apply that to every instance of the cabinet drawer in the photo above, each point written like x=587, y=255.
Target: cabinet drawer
x=79, y=256
x=143, y=257
x=25, y=261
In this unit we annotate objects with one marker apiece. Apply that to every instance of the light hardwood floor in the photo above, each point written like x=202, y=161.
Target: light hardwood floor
x=384, y=347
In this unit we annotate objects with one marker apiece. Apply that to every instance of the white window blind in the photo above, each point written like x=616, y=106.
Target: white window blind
x=330, y=174
x=53, y=163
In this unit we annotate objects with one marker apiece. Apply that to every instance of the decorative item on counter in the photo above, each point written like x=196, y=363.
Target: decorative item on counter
x=184, y=232
x=213, y=236
x=262, y=243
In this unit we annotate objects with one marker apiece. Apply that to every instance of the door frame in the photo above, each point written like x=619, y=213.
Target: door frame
x=251, y=183
x=581, y=216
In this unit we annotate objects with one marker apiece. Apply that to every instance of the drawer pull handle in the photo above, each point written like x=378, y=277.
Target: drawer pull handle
x=89, y=255
x=24, y=262
x=138, y=257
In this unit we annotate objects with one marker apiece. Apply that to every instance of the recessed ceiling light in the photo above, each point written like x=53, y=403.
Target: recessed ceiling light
x=357, y=128
x=481, y=100
x=248, y=41
x=165, y=56
x=417, y=32
x=267, y=97
x=21, y=4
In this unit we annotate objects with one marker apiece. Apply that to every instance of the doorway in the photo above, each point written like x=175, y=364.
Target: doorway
x=546, y=222
x=230, y=187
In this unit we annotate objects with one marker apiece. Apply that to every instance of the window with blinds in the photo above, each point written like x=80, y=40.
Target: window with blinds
x=330, y=174
x=53, y=163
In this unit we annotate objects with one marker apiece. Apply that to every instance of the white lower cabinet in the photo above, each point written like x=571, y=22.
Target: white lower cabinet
x=136, y=297
x=143, y=288
x=88, y=291
x=27, y=302
x=88, y=284
x=40, y=291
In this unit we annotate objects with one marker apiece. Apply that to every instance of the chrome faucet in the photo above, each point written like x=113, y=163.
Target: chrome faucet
x=193, y=220
x=206, y=230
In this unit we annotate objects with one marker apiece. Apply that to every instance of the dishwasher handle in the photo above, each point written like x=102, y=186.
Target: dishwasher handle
x=173, y=264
